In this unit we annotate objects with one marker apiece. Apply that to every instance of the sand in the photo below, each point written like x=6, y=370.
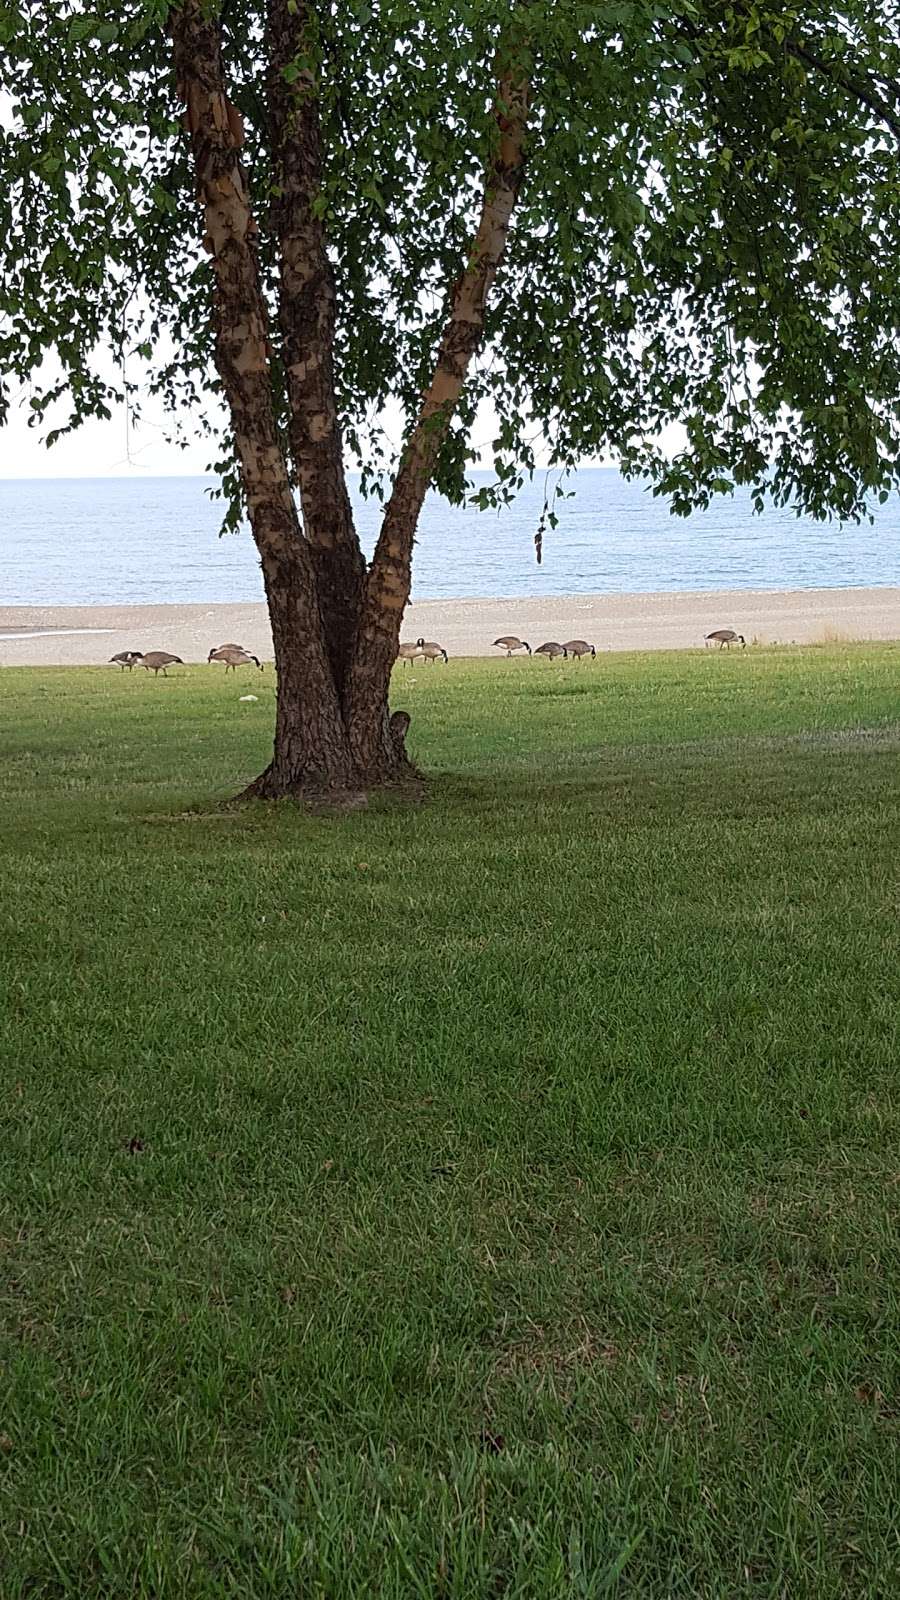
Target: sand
x=84, y=635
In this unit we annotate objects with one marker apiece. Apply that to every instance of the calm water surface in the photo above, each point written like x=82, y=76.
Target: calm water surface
x=107, y=541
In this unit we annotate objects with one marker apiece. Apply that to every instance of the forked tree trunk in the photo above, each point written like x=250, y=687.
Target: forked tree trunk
x=335, y=628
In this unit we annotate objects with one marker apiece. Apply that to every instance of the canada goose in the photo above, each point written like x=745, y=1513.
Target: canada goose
x=510, y=643
x=156, y=662
x=551, y=650
x=725, y=638
x=411, y=652
x=579, y=647
x=434, y=652
x=126, y=658
x=234, y=656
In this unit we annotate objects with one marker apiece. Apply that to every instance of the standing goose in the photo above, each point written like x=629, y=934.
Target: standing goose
x=234, y=657
x=551, y=650
x=434, y=652
x=410, y=652
x=126, y=658
x=156, y=662
x=578, y=648
x=510, y=643
x=725, y=638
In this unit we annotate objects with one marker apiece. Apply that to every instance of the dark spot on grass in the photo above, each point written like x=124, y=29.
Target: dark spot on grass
x=491, y=1442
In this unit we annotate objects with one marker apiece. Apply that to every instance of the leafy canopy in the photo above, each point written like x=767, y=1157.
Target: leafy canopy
x=708, y=232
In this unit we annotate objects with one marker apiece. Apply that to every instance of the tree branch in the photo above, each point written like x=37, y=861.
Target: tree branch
x=242, y=354
x=862, y=86
x=388, y=582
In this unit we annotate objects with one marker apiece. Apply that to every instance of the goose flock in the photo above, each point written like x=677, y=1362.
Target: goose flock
x=572, y=650
x=422, y=650
x=156, y=661
x=409, y=652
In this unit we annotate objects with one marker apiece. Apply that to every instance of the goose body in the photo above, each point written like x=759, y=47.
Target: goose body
x=510, y=643
x=551, y=650
x=410, y=652
x=578, y=648
x=234, y=656
x=433, y=651
x=156, y=662
x=725, y=638
x=126, y=658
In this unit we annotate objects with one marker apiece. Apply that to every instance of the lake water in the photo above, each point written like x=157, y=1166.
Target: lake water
x=107, y=541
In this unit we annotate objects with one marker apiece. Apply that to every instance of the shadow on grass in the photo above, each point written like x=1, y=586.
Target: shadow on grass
x=627, y=786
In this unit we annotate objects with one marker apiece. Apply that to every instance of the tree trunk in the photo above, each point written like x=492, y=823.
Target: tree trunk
x=307, y=320
x=388, y=583
x=311, y=754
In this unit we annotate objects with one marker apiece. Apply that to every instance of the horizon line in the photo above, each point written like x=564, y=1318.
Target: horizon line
x=135, y=477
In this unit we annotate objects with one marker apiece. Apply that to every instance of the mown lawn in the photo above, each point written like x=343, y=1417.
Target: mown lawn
x=492, y=1198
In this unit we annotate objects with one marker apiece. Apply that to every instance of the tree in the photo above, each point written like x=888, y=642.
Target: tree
x=602, y=217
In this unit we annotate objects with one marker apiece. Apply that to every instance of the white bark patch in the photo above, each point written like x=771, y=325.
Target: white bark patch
x=320, y=426
x=249, y=356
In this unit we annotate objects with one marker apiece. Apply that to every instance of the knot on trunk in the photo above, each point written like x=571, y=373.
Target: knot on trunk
x=399, y=726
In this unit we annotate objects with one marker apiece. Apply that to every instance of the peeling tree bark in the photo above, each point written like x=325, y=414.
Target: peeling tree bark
x=388, y=582
x=307, y=319
x=311, y=746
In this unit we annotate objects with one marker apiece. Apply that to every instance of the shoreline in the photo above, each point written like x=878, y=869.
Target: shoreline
x=89, y=635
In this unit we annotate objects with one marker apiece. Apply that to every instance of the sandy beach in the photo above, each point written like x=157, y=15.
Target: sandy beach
x=88, y=635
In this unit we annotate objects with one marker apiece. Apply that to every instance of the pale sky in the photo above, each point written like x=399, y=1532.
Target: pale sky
x=114, y=450
x=96, y=450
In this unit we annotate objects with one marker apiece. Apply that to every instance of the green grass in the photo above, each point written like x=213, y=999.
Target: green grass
x=492, y=1198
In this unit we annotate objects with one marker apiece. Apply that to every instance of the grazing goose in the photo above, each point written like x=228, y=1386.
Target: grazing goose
x=156, y=662
x=125, y=658
x=434, y=652
x=725, y=638
x=551, y=650
x=510, y=643
x=578, y=648
x=234, y=656
x=411, y=652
